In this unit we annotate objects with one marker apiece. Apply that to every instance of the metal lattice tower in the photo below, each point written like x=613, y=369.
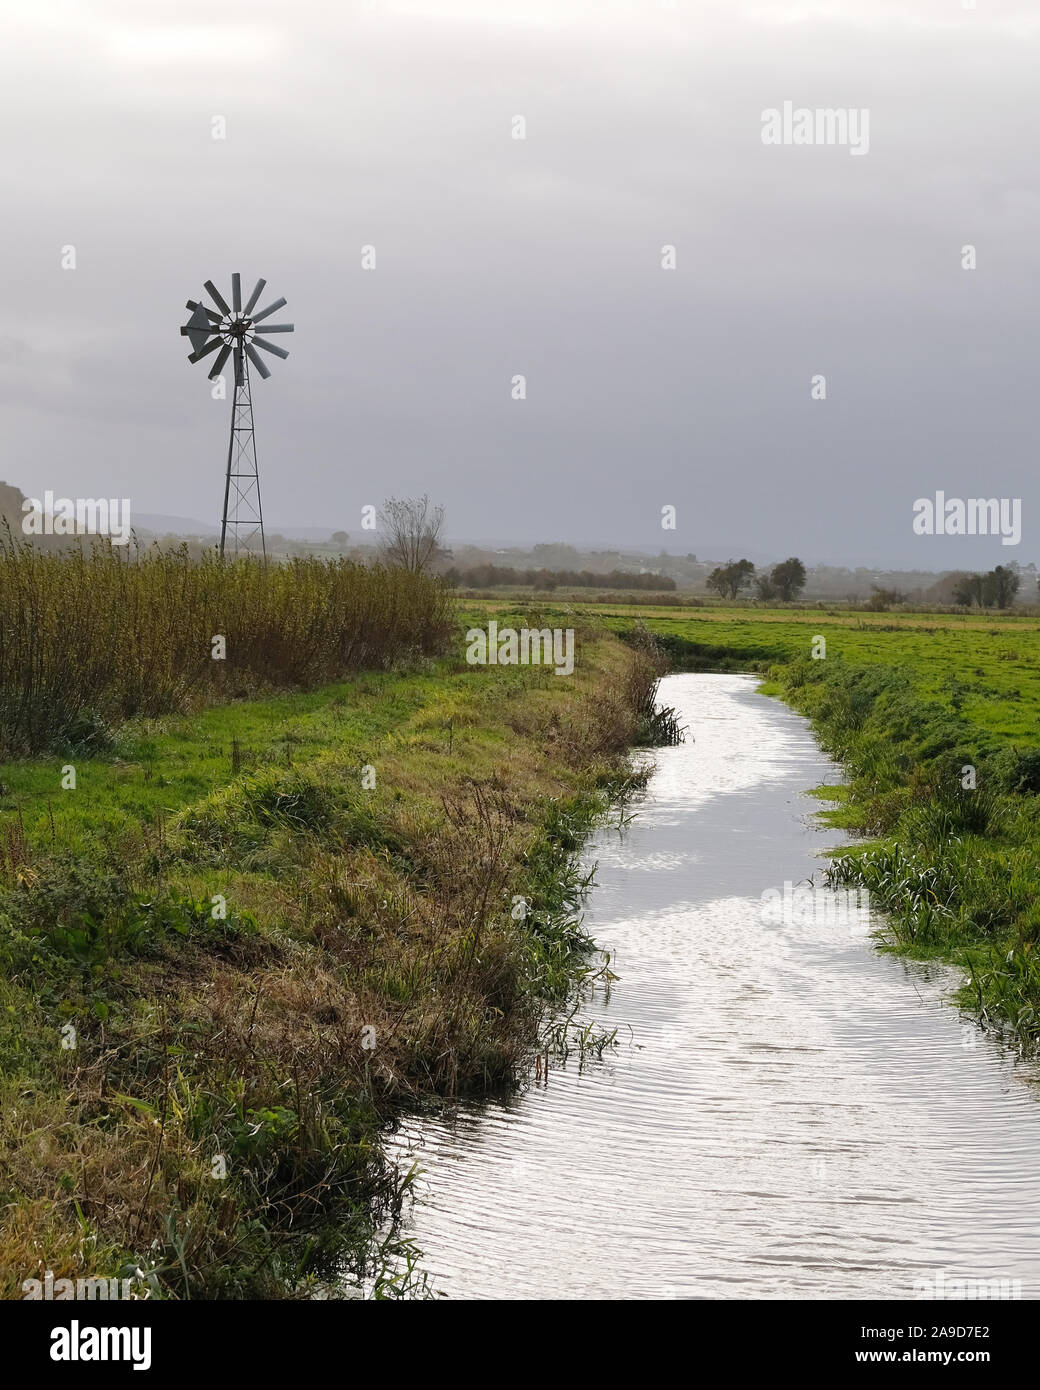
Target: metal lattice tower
x=233, y=330
x=242, y=510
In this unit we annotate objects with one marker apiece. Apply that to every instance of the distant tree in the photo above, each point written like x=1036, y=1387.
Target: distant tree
x=492, y=576
x=409, y=533
x=883, y=599
x=556, y=555
x=788, y=578
x=765, y=588
x=728, y=580
x=340, y=538
x=969, y=589
x=1000, y=587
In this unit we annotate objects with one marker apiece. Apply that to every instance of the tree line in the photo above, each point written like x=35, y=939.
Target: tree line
x=997, y=589
x=491, y=576
x=784, y=581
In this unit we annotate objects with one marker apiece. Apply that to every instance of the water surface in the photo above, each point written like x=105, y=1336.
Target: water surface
x=789, y=1112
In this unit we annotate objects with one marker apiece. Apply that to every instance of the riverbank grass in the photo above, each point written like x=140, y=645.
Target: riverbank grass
x=243, y=939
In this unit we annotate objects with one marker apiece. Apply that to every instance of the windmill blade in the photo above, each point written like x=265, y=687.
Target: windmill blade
x=193, y=305
x=236, y=293
x=197, y=329
x=217, y=298
x=269, y=310
x=222, y=357
x=254, y=296
x=270, y=347
x=205, y=352
x=279, y=327
x=257, y=361
x=238, y=365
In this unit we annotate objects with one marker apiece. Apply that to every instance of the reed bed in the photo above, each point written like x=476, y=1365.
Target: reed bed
x=91, y=638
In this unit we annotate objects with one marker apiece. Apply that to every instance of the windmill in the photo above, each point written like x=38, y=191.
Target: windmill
x=234, y=331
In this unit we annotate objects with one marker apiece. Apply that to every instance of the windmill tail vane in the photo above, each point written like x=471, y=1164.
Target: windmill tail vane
x=232, y=331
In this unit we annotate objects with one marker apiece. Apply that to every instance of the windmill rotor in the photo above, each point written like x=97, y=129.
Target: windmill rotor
x=230, y=330
x=232, y=326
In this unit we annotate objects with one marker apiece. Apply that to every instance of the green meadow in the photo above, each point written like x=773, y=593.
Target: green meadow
x=986, y=669
x=155, y=767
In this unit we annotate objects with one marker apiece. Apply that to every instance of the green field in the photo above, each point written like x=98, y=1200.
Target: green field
x=158, y=766
x=987, y=670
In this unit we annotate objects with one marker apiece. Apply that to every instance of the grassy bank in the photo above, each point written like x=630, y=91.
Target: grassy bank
x=243, y=939
x=936, y=719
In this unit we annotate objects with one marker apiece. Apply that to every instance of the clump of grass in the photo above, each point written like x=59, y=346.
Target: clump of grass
x=657, y=726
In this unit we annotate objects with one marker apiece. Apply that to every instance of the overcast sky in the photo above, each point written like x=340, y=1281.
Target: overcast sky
x=391, y=125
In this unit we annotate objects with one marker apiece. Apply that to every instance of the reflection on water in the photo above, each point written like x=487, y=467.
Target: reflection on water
x=789, y=1113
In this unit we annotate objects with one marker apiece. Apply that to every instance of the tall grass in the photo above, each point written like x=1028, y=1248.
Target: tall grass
x=91, y=638
x=658, y=725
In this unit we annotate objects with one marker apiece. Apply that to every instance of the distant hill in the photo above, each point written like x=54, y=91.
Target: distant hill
x=164, y=525
x=189, y=526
